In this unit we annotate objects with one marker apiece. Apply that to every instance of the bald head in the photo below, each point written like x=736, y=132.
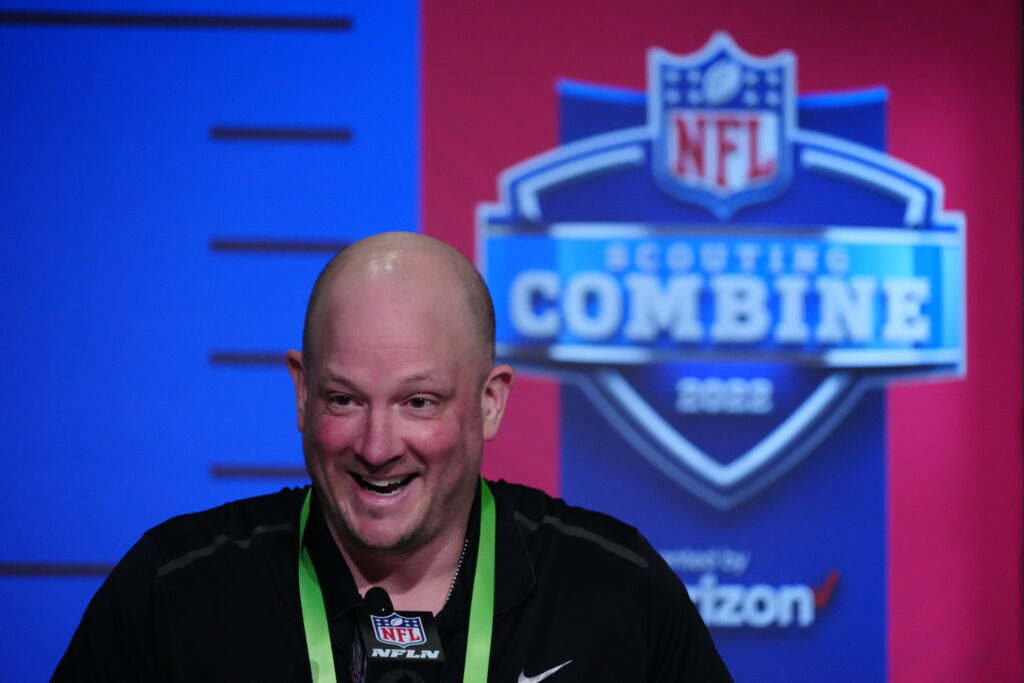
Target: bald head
x=396, y=393
x=417, y=260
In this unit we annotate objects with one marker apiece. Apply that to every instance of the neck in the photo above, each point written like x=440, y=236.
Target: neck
x=418, y=580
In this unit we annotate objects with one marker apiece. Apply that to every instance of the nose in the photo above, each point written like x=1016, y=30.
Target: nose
x=378, y=444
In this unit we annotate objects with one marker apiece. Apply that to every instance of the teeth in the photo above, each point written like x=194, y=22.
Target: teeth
x=384, y=487
x=383, y=482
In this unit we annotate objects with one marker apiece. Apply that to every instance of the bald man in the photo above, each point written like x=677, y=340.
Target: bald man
x=396, y=392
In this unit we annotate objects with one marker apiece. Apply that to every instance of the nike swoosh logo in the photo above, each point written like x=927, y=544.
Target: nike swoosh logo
x=523, y=678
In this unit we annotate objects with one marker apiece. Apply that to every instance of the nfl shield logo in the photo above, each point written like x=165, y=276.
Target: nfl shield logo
x=399, y=630
x=723, y=351
x=722, y=121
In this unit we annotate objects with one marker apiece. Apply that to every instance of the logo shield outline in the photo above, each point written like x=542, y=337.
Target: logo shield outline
x=663, y=98
x=415, y=624
x=520, y=210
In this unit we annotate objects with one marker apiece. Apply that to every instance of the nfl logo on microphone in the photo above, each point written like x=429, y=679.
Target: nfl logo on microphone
x=398, y=630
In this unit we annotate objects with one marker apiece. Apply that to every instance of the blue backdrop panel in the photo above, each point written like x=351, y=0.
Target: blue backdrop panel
x=792, y=538
x=139, y=246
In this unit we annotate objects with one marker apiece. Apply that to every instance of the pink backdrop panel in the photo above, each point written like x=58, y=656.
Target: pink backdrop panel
x=953, y=74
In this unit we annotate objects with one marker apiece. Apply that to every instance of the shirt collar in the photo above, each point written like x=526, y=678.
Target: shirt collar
x=336, y=582
x=514, y=576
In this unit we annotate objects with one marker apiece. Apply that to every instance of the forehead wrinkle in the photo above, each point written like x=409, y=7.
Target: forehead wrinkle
x=368, y=311
x=403, y=383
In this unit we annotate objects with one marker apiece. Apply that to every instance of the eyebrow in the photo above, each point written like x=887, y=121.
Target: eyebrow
x=414, y=378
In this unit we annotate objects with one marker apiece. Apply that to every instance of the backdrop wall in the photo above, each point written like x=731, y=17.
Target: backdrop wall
x=932, y=487
x=176, y=175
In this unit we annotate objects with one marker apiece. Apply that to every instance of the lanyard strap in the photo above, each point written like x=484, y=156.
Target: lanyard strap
x=481, y=608
x=314, y=615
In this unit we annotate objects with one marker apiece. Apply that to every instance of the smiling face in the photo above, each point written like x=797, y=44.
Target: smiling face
x=397, y=399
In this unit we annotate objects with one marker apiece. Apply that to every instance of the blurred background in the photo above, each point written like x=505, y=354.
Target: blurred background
x=175, y=174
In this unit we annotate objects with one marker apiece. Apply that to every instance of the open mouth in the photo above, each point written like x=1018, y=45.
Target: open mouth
x=383, y=487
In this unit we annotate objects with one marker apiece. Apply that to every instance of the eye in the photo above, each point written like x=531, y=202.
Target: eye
x=341, y=400
x=420, y=402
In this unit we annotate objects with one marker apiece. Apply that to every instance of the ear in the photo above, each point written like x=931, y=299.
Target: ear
x=494, y=398
x=298, y=373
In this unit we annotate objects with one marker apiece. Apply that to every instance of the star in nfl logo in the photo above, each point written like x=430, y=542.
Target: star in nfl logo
x=396, y=629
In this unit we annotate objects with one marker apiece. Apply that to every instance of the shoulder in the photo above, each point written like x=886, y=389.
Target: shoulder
x=187, y=538
x=161, y=609
x=548, y=522
x=586, y=566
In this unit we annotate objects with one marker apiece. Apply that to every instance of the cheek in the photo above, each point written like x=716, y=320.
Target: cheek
x=331, y=434
x=437, y=441
x=433, y=435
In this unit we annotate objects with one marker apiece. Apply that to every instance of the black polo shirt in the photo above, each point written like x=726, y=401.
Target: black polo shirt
x=214, y=596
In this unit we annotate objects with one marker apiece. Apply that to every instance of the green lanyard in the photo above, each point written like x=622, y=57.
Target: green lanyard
x=481, y=606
